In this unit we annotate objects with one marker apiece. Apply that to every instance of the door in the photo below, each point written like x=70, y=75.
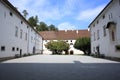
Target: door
x=20, y=52
x=33, y=50
x=98, y=50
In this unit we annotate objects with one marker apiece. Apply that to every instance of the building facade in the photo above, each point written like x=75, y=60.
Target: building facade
x=69, y=36
x=105, y=31
x=17, y=36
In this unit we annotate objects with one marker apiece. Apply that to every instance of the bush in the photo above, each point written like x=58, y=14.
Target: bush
x=83, y=44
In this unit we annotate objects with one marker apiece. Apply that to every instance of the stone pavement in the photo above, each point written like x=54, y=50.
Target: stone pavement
x=59, y=67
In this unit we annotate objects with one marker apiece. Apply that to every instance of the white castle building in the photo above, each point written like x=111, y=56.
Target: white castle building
x=17, y=36
x=105, y=31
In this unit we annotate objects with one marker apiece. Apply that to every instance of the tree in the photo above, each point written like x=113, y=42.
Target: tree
x=83, y=44
x=42, y=27
x=52, y=28
x=57, y=46
x=33, y=21
x=25, y=13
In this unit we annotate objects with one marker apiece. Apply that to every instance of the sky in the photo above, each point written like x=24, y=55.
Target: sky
x=64, y=14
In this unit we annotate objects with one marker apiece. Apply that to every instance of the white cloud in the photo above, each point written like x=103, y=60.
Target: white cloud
x=66, y=26
x=44, y=9
x=19, y=4
x=90, y=14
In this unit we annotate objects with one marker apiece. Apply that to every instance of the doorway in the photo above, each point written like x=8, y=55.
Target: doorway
x=20, y=52
x=33, y=50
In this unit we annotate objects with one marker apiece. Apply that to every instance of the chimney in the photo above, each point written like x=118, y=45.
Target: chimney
x=77, y=31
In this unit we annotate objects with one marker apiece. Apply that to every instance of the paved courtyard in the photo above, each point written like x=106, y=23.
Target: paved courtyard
x=59, y=67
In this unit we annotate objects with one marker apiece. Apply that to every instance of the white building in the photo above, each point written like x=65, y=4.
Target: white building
x=69, y=36
x=105, y=31
x=16, y=35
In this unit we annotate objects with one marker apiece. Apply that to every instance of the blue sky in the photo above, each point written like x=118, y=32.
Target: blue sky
x=64, y=14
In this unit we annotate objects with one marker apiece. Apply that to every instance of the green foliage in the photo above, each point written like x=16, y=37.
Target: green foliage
x=57, y=46
x=42, y=27
x=33, y=21
x=52, y=28
x=25, y=13
x=83, y=44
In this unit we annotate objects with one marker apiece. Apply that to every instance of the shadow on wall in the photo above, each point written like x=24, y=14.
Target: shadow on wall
x=60, y=71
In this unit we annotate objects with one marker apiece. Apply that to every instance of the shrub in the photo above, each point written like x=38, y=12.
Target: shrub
x=83, y=44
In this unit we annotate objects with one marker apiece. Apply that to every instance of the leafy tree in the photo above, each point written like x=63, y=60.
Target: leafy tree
x=25, y=13
x=57, y=46
x=33, y=21
x=52, y=28
x=83, y=44
x=42, y=27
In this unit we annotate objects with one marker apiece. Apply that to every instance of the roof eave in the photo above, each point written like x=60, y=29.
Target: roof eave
x=100, y=13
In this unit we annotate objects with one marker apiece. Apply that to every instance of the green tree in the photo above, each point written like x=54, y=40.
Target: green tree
x=57, y=46
x=83, y=44
x=33, y=21
x=42, y=27
x=52, y=28
x=25, y=13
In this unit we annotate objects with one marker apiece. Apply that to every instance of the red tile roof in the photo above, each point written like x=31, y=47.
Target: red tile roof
x=64, y=35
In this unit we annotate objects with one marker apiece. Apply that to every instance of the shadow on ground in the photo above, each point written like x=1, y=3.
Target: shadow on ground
x=60, y=71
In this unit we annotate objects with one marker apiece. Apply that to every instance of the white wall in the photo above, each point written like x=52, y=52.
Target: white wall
x=8, y=39
x=107, y=46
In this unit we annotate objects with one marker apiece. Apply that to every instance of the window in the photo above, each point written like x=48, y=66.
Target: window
x=21, y=22
x=2, y=48
x=31, y=38
x=27, y=26
x=93, y=49
x=13, y=48
x=71, y=43
x=11, y=14
x=97, y=22
x=113, y=35
x=16, y=31
x=4, y=14
x=93, y=25
x=104, y=30
x=71, y=40
x=17, y=49
x=26, y=36
x=94, y=36
x=110, y=16
x=98, y=36
x=103, y=16
x=21, y=33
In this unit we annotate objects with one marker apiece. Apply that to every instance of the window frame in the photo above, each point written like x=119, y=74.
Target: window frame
x=16, y=31
x=21, y=32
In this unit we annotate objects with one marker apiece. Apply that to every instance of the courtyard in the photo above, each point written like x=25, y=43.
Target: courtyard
x=59, y=67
